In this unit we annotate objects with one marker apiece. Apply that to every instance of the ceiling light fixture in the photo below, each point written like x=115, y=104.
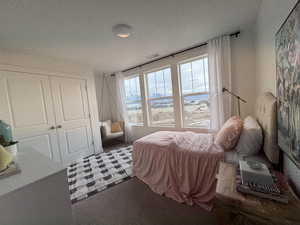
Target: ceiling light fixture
x=122, y=30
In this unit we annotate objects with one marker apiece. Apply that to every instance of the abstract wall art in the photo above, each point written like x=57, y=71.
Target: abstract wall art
x=288, y=85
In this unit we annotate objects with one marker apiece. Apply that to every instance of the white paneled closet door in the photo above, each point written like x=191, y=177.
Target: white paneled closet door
x=72, y=118
x=31, y=112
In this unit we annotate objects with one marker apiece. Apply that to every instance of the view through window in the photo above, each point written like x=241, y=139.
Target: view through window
x=134, y=100
x=160, y=98
x=195, y=93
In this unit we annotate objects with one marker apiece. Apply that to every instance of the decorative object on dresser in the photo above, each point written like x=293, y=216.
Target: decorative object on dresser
x=6, y=138
x=5, y=159
x=5, y=133
x=8, y=151
x=288, y=85
x=233, y=207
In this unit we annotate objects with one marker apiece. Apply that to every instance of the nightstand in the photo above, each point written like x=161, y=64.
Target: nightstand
x=232, y=207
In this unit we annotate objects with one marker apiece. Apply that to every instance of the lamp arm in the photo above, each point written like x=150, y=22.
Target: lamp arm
x=238, y=97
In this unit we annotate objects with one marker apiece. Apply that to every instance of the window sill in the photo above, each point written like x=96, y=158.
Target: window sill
x=152, y=127
x=199, y=129
x=137, y=125
x=173, y=128
x=163, y=126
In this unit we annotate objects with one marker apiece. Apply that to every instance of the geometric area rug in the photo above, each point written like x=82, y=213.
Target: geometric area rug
x=90, y=175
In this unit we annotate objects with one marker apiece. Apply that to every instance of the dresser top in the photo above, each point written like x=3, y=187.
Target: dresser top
x=34, y=167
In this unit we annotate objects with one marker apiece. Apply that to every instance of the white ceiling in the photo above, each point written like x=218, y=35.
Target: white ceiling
x=80, y=30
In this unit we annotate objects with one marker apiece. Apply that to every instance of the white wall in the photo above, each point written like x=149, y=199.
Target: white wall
x=271, y=15
x=42, y=64
x=243, y=68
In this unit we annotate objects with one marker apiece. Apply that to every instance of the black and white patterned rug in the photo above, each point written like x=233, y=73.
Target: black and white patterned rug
x=92, y=174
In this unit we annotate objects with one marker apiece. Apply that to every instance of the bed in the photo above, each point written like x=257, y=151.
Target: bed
x=183, y=165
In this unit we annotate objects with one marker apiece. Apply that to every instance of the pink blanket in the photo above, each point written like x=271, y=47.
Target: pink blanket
x=180, y=165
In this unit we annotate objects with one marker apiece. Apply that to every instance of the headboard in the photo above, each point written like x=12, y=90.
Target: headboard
x=266, y=115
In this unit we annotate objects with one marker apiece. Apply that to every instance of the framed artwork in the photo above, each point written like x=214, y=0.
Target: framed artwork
x=288, y=85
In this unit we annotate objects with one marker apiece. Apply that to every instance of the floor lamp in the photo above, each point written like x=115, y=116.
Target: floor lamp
x=237, y=97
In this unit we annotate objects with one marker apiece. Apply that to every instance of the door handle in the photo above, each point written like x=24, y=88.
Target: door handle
x=59, y=126
x=52, y=128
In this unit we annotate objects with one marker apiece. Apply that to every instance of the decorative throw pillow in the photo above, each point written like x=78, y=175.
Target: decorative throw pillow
x=251, y=138
x=230, y=133
x=116, y=127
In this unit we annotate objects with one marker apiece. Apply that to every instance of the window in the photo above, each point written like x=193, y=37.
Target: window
x=134, y=100
x=160, y=98
x=195, y=93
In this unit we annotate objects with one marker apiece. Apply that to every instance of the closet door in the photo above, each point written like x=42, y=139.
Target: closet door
x=31, y=113
x=72, y=118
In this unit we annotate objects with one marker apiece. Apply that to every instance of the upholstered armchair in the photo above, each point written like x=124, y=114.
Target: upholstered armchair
x=112, y=131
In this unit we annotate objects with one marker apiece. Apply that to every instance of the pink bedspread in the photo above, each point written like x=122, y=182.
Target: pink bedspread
x=180, y=165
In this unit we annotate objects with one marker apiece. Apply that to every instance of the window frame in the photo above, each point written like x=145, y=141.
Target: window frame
x=148, y=99
x=182, y=95
x=136, y=75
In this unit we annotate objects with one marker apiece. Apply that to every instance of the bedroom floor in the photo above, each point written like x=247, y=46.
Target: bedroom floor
x=133, y=203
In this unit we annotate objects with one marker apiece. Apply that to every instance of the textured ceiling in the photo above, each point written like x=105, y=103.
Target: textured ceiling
x=80, y=30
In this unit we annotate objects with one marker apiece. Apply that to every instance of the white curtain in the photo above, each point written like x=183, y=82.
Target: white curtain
x=121, y=106
x=106, y=93
x=219, y=54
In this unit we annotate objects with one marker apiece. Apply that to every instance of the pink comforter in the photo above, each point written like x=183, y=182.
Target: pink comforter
x=180, y=165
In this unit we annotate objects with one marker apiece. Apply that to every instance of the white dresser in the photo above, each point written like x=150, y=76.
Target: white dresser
x=38, y=195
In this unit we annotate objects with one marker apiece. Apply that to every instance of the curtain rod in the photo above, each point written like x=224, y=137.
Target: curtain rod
x=235, y=34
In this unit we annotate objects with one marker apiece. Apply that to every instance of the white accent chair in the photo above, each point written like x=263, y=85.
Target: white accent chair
x=107, y=134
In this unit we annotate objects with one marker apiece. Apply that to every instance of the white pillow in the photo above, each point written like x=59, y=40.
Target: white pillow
x=251, y=138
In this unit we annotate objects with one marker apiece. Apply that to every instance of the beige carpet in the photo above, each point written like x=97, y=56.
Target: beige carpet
x=133, y=203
